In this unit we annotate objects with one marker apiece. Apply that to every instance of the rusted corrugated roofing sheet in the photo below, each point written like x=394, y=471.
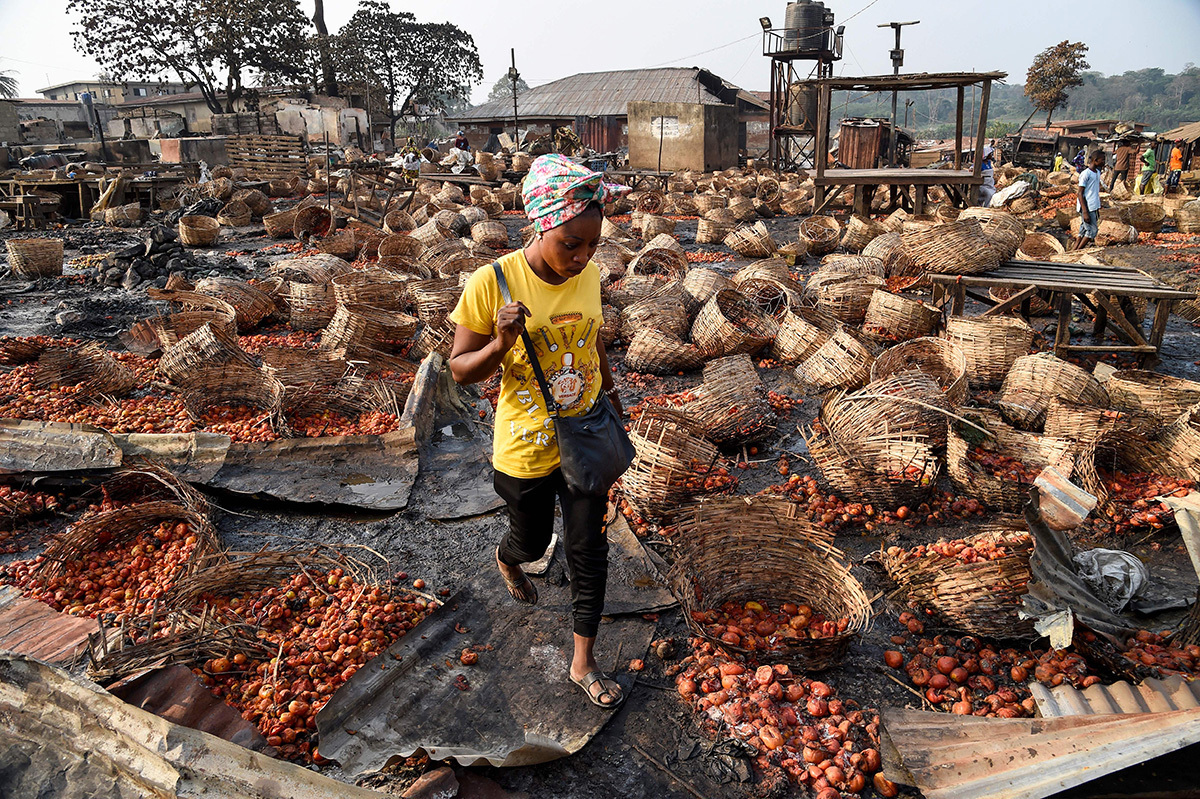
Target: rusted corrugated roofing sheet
x=33, y=628
x=1151, y=696
x=595, y=94
x=965, y=757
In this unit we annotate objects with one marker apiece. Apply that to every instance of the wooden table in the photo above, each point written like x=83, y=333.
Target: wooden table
x=647, y=177
x=1112, y=289
x=958, y=184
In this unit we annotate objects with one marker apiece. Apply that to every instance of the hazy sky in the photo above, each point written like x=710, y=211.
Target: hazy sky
x=555, y=39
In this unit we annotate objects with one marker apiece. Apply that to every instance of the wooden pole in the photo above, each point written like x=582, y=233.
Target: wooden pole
x=958, y=127
x=979, y=134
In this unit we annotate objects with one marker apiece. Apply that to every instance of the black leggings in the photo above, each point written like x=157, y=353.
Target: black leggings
x=531, y=525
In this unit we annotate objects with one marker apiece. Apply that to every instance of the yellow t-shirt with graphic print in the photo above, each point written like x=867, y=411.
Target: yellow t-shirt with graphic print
x=564, y=327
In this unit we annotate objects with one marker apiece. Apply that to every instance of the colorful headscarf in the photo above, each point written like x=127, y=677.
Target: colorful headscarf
x=557, y=190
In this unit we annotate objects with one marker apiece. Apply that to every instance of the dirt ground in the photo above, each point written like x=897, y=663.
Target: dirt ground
x=653, y=723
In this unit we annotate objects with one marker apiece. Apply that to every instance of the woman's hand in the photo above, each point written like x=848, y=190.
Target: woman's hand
x=510, y=321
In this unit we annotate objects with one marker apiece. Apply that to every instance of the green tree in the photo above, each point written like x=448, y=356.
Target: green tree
x=212, y=44
x=414, y=63
x=502, y=89
x=1053, y=71
x=998, y=129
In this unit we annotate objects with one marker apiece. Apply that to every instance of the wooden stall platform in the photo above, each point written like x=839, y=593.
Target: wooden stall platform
x=956, y=182
x=1107, y=291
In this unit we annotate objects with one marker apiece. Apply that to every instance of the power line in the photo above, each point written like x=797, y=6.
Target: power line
x=705, y=52
x=856, y=13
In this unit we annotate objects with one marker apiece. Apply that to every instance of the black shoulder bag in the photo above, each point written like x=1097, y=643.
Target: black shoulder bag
x=593, y=449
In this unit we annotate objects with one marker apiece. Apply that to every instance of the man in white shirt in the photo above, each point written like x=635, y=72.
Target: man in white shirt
x=1089, y=200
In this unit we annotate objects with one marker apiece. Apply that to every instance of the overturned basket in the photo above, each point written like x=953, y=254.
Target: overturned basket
x=657, y=352
x=762, y=549
x=841, y=361
x=861, y=231
x=752, y=242
x=1002, y=230
x=128, y=215
x=990, y=344
x=250, y=304
x=958, y=247
x=982, y=597
x=234, y=213
x=203, y=348
x=357, y=326
x=821, y=234
x=667, y=313
x=910, y=404
x=847, y=298
x=1088, y=424
x=889, y=248
x=35, y=257
x=1162, y=396
x=672, y=457
x=940, y=359
x=89, y=366
x=798, y=336
x=375, y=287
x=731, y=403
x=729, y=324
x=1036, y=379
x=899, y=318
x=1146, y=217
x=890, y=470
x=279, y=225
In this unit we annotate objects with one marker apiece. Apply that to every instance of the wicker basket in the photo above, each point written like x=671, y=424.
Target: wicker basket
x=898, y=318
x=250, y=304
x=846, y=297
x=198, y=231
x=219, y=189
x=798, y=337
x=311, y=305
x=124, y=215
x=1003, y=230
x=312, y=222
x=343, y=244
x=991, y=345
x=401, y=244
x=1162, y=396
x=1146, y=217
x=1187, y=218
x=909, y=404
x=958, y=247
x=490, y=234
x=398, y=222
x=860, y=265
x=431, y=233
x=752, y=242
x=712, y=232
x=664, y=241
x=842, y=361
x=1036, y=379
x=699, y=285
x=279, y=225
x=234, y=213
x=763, y=549
x=889, y=249
x=1181, y=443
x=234, y=384
x=89, y=366
x=940, y=359
x=318, y=268
x=1036, y=452
x=35, y=258
x=1110, y=232
x=258, y=203
x=821, y=234
x=861, y=231
x=666, y=313
x=742, y=209
x=610, y=330
x=374, y=287
x=660, y=262
x=708, y=201
x=1039, y=247
x=981, y=598
x=1088, y=424
x=279, y=188
x=656, y=226
x=208, y=346
x=655, y=351
x=796, y=203
x=435, y=299
x=357, y=326
x=891, y=470
x=728, y=325
x=731, y=404
x=671, y=449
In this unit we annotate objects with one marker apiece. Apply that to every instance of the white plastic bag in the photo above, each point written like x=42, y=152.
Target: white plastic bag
x=1114, y=576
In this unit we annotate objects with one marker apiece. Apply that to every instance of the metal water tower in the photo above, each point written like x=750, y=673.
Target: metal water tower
x=803, y=49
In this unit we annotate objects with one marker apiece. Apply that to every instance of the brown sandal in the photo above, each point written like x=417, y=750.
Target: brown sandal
x=523, y=590
x=591, y=678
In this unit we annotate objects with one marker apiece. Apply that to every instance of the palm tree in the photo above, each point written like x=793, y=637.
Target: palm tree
x=8, y=84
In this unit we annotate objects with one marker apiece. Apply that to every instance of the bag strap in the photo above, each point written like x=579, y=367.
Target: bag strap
x=547, y=397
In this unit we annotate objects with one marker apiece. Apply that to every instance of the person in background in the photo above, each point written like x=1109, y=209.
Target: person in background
x=1149, y=167
x=1058, y=162
x=1121, y=163
x=1080, y=161
x=460, y=141
x=555, y=295
x=988, y=189
x=1089, y=200
x=411, y=160
x=1175, y=165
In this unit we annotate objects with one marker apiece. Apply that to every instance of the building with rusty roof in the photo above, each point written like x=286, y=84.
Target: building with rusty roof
x=595, y=104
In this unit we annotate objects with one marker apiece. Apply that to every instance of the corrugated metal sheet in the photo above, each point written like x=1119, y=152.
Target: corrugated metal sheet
x=599, y=94
x=965, y=757
x=33, y=628
x=1151, y=696
x=1189, y=132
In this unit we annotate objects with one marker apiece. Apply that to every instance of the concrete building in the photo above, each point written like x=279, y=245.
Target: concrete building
x=10, y=123
x=679, y=136
x=110, y=92
x=595, y=105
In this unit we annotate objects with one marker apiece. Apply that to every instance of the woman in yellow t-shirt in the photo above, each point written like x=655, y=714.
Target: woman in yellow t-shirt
x=556, y=297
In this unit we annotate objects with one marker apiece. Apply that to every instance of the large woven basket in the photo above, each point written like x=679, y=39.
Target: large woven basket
x=258, y=203
x=762, y=549
x=1087, y=424
x=981, y=598
x=1036, y=379
x=991, y=345
x=358, y=326
x=279, y=225
x=909, y=404
x=1181, y=443
x=398, y=222
x=1159, y=395
x=128, y=215
x=891, y=470
x=672, y=458
x=313, y=221
x=210, y=345
x=1039, y=247
x=728, y=325
x=731, y=403
x=490, y=233
x=1036, y=452
x=35, y=257
x=846, y=298
x=841, y=361
x=401, y=244
x=958, y=247
x=659, y=352
x=699, y=285
x=1187, y=218
x=1110, y=232
x=1003, y=230
x=845, y=264
x=861, y=231
x=752, y=242
x=89, y=366
x=234, y=213
x=667, y=313
x=940, y=359
x=742, y=209
x=235, y=383
x=251, y=305
x=1146, y=217
x=821, y=234
x=898, y=318
x=311, y=305
x=198, y=231
x=660, y=262
x=798, y=337
x=375, y=287
x=889, y=248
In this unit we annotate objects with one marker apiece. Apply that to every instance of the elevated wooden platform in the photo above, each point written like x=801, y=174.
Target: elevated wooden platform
x=901, y=176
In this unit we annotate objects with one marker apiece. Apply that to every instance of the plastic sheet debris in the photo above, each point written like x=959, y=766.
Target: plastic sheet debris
x=1113, y=575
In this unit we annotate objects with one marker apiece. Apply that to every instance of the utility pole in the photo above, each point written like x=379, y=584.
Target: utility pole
x=907, y=105
x=897, y=61
x=515, y=76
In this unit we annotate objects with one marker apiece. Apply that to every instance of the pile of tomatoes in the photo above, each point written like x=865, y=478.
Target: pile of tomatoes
x=1132, y=507
x=803, y=732
x=1002, y=466
x=756, y=627
x=18, y=502
x=980, y=550
x=1152, y=649
x=328, y=423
